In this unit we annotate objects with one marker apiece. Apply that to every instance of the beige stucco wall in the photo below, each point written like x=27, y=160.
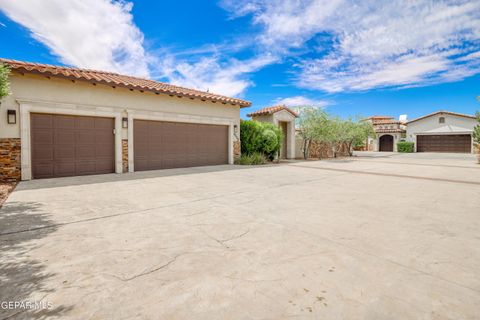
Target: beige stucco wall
x=32, y=93
x=40, y=88
x=430, y=123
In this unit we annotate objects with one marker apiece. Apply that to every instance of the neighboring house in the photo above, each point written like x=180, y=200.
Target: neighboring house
x=61, y=121
x=442, y=131
x=283, y=117
x=389, y=131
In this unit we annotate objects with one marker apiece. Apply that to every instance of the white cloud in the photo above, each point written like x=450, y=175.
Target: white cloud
x=228, y=77
x=98, y=34
x=101, y=34
x=301, y=101
x=371, y=43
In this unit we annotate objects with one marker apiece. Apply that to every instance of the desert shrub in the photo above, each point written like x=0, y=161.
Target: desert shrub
x=260, y=137
x=405, y=146
x=255, y=158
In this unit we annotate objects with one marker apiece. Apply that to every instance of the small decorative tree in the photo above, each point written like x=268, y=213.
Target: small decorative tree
x=313, y=125
x=356, y=133
x=476, y=136
x=4, y=84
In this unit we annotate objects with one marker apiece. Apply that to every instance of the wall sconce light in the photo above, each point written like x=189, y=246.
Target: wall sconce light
x=235, y=128
x=124, y=122
x=11, y=116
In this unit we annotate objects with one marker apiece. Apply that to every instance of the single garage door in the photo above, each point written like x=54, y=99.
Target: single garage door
x=64, y=145
x=461, y=143
x=163, y=145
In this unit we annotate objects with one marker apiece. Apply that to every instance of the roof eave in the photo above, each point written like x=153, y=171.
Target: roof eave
x=241, y=103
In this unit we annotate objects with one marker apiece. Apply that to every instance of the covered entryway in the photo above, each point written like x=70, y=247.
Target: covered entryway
x=163, y=145
x=65, y=145
x=459, y=143
x=283, y=149
x=386, y=143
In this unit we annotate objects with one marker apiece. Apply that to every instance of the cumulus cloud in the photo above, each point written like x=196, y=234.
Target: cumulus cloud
x=210, y=73
x=101, y=34
x=98, y=34
x=301, y=101
x=370, y=44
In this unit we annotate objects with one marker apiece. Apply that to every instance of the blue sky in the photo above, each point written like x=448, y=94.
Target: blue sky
x=353, y=58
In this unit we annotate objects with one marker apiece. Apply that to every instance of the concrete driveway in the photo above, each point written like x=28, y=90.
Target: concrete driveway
x=378, y=236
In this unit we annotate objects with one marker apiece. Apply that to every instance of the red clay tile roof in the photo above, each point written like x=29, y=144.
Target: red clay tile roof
x=380, y=117
x=114, y=79
x=375, y=122
x=271, y=110
x=389, y=130
x=443, y=112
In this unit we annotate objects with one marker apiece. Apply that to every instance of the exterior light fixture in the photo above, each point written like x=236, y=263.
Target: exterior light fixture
x=11, y=116
x=124, y=122
x=235, y=129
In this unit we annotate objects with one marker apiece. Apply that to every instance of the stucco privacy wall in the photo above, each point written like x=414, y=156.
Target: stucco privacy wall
x=35, y=93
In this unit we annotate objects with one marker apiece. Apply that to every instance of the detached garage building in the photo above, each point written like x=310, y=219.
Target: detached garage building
x=442, y=131
x=62, y=121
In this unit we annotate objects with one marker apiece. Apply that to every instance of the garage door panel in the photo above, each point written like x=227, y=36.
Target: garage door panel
x=141, y=164
x=64, y=136
x=64, y=152
x=64, y=122
x=444, y=143
x=64, y=168
x=85, y=123
x=85, y=152
x=80, y=145
x=103, y=152
x=87, y=137
x=85, y=167
x=44, y=153
x=44, y=169
x=43, y=136
x=174, y=145
x=42, y=121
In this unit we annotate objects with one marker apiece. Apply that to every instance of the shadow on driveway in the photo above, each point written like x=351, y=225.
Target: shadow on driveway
x=113, y=177
x=21, y=275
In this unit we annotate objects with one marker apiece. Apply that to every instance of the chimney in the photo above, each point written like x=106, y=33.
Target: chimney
x=403, y=118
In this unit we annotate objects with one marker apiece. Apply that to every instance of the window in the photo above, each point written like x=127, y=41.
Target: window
x=441, y=120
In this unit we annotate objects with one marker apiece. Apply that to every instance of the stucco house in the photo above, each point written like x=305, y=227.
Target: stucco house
x=442, y=131
x=283, y=117
x=61, y=121
x=389, y=131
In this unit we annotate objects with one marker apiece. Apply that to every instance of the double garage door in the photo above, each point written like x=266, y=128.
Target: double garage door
x=164, y=145
x=461, y=143
x=64, y=145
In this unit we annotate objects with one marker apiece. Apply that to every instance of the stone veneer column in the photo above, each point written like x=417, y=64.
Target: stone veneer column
x=236, y=150
x=10, y=166
x=125, y=155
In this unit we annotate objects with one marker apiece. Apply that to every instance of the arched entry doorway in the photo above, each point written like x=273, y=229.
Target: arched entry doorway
x=386, y=143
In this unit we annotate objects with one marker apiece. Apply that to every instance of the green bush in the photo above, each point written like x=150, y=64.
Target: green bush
x=260, y=137
x=4, y=84
x=405, y=146
x=252, y=159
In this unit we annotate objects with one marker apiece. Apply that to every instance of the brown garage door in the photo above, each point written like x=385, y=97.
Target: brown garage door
x=65, y=145
x=163, y=145
x=444, y=143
